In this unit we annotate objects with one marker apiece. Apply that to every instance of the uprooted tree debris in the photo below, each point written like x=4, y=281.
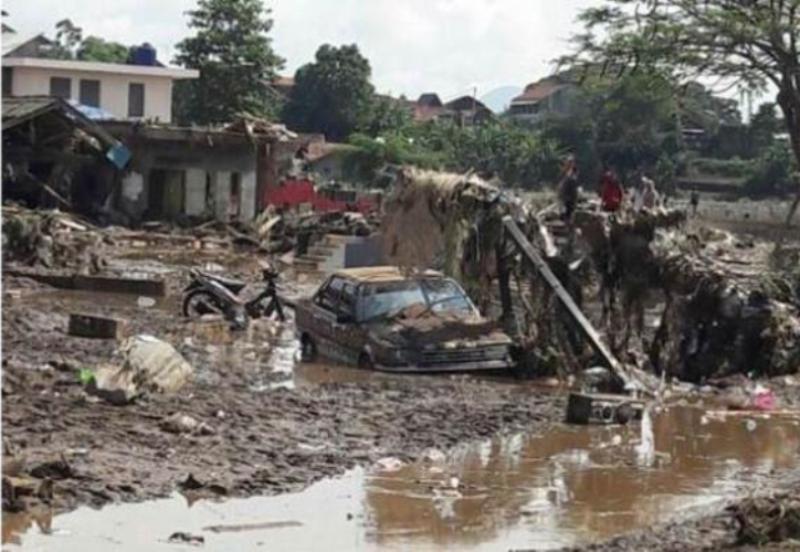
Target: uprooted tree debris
x=716, y=319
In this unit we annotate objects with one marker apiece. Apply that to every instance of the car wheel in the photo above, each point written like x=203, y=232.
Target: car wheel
x=308, y=349
x=365, y=361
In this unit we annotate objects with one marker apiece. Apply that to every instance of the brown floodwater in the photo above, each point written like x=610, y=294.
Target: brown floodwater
x=571, y=485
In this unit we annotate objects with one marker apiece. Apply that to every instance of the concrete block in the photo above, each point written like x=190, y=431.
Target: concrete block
x=88, y=325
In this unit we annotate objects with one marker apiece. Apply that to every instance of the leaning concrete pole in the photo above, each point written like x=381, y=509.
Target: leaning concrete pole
x=586, y=328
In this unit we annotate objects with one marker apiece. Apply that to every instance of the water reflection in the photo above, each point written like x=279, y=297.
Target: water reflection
x=572, y=485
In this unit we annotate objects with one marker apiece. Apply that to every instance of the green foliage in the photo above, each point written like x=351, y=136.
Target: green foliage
x=729, y=168
x=372, y=154
x=94, y=48
x=517, y=156
x=234, y=54
x=333, y=94
x=751, y=44
x=388, y=114
x=763, y=127
x=773, y=173
x=665, y=173
x=627, y=122
x=68, y=38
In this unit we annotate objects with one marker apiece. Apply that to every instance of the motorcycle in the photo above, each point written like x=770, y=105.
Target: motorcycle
x=208, y=293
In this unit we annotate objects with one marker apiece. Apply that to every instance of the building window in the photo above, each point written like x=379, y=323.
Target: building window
x=8, y=81
x=136, y=99
x=90, y=93
x=61, y=87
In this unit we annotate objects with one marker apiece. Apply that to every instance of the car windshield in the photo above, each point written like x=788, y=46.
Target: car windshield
x=388, y=299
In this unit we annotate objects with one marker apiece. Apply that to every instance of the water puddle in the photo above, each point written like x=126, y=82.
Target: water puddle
x=570, y=486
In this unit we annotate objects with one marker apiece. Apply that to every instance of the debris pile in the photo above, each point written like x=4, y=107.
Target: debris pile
x=717, y=315
x=280, y=232
x=52, y=240
x=769, y=519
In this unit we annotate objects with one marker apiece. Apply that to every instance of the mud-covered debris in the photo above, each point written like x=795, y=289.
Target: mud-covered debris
x=200, y=488
x=186, y=538
x=14, y=489
x=389, y=464
x=181, y=423
x=54, y=469
x=149, y=365
x=768, y=519
x=52, y=239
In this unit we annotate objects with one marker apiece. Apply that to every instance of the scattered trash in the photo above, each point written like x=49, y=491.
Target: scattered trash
x=389, y=464
x=181, y=423
x=182, y=537
x=148, y=365
x=252, y=526
x=433, y=456
x=145, y=302
x=751, y=425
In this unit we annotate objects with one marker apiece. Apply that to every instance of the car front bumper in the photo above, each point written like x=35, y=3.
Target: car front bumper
x=453, y=367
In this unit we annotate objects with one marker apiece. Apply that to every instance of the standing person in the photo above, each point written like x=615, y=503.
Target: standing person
x=568, y=188
x=694, y=201
x=646, y=196
x=611, y=191
x=650, y=196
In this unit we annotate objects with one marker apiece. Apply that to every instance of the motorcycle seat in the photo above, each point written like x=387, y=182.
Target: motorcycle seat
x=234, y=285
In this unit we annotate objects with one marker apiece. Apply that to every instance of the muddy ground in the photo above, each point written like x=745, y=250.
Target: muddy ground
x=266, y=436
x=264, y=440
x=718, y=530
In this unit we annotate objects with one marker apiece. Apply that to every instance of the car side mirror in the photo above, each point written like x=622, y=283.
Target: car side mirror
x=344, y=319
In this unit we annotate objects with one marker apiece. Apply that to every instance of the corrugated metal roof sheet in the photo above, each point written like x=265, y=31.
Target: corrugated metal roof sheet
x=18, y=108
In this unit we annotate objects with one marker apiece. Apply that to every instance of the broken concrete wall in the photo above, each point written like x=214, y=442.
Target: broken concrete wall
x=196, y=166
x=195, y=200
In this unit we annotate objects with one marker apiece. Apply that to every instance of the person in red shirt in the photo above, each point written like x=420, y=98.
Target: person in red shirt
x=611, y=191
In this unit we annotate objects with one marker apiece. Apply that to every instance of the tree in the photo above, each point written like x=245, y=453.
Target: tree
x=233, y=52
x=764, y=126
x=68, y=38
x=332, y=95
x=388, y=114
x=749, y=43
x=94, y=48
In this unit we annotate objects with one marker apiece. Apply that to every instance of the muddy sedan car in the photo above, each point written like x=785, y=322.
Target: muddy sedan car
x=379, y=318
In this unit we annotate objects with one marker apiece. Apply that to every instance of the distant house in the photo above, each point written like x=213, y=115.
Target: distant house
x=428, y=107
x=551, y=96
x=469, y=111
x=141, y=90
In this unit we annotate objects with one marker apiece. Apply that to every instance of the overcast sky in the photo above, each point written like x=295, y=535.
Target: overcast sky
x=414, y=46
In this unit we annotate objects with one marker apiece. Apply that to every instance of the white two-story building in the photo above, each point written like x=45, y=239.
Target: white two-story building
x=132, y=91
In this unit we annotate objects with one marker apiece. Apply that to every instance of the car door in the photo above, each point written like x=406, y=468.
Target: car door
x=325, y=313
x=347, y=331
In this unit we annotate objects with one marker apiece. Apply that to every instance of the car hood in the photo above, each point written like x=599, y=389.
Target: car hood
x=434, y=330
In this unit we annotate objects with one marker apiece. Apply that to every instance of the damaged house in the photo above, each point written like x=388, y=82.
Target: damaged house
x=197, y=172
x=54, y=156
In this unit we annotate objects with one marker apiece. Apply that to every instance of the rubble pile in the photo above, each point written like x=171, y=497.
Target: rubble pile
x=52, y=239
x=718, y=316
x=280, y=232
x=768, y=519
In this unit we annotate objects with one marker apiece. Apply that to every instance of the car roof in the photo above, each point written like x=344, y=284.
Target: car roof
x=384, y=274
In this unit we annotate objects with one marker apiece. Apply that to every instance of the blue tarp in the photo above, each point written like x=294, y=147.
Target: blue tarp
x=93, y=113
